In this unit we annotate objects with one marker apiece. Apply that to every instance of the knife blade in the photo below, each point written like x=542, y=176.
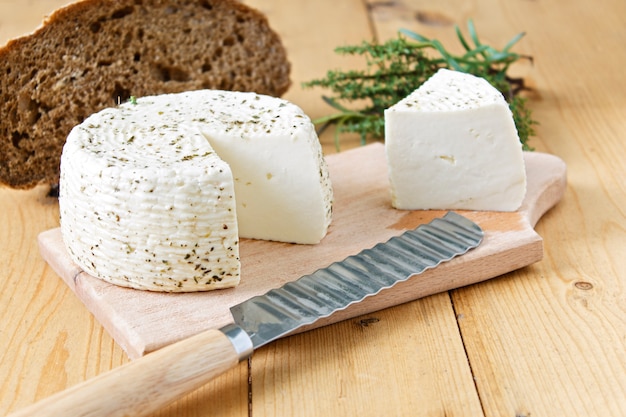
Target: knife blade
x=147, y=384
x=312, y=297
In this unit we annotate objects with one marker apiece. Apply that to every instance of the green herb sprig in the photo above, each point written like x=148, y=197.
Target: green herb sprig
x=399, y=66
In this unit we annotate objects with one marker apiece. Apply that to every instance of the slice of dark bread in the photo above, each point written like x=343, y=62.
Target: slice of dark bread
x=96, y=53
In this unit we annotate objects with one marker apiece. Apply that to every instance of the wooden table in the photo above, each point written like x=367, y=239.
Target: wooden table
x=546, y=340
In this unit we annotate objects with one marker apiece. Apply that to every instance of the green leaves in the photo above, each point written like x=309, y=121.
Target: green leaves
x=397, y=67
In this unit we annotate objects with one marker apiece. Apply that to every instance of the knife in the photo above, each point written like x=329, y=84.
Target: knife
x=148, y=384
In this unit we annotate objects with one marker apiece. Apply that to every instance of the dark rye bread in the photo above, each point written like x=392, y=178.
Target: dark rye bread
x=96, y=53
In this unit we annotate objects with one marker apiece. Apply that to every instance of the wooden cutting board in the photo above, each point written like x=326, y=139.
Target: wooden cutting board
x=142, y=321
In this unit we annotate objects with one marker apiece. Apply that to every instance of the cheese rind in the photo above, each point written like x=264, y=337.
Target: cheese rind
x=148, y=202
x=452, y=144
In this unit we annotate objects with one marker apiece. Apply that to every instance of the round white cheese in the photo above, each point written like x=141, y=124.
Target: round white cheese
x=452, y=144
x=155, y=194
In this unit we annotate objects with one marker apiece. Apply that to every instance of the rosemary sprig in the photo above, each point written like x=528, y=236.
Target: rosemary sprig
x=399, y=66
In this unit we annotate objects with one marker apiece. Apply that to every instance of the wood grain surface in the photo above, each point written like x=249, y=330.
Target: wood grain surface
x=546, y=340
x=143, y=321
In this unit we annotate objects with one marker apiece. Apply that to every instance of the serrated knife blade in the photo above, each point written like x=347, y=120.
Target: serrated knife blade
x=312, y=297
x=147, y=384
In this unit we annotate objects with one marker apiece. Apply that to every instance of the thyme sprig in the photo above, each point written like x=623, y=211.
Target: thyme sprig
x=399, y=66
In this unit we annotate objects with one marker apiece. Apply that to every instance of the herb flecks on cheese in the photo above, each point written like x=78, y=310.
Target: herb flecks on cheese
x=452, y=144
x=156, y=193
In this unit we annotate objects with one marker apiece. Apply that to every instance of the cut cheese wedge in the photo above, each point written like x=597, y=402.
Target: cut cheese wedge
x=155, y=194
x=452, y=144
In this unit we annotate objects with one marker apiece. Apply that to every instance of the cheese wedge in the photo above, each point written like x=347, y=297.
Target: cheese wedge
x=155, y=194
x=452, y=144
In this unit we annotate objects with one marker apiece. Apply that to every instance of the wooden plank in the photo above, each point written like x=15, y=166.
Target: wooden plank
x=18, y=19
x=310, y=31
x=534, y=325
x=549, y=339
x=143, y=321
x=564, y=319
x=580, y=110
x=49, y=345
x=403, y=361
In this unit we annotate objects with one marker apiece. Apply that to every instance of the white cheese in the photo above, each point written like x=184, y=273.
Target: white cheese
x=452, y=144
x=155, y=195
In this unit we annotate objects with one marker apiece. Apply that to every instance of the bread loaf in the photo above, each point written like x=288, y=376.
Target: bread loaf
x=97, y=53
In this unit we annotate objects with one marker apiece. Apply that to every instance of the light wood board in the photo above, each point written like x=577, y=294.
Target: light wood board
x=142, y=321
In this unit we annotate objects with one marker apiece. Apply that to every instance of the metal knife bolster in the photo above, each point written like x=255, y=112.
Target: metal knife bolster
x=240, y=340
x=280, y=311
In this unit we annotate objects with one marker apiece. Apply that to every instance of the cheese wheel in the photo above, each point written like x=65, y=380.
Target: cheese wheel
x=452, y=144
x=155, y=193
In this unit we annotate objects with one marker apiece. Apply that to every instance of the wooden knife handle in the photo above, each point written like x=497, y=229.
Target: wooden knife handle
x=148, y=384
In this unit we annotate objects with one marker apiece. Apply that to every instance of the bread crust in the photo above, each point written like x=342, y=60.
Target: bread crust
x=94, y=54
